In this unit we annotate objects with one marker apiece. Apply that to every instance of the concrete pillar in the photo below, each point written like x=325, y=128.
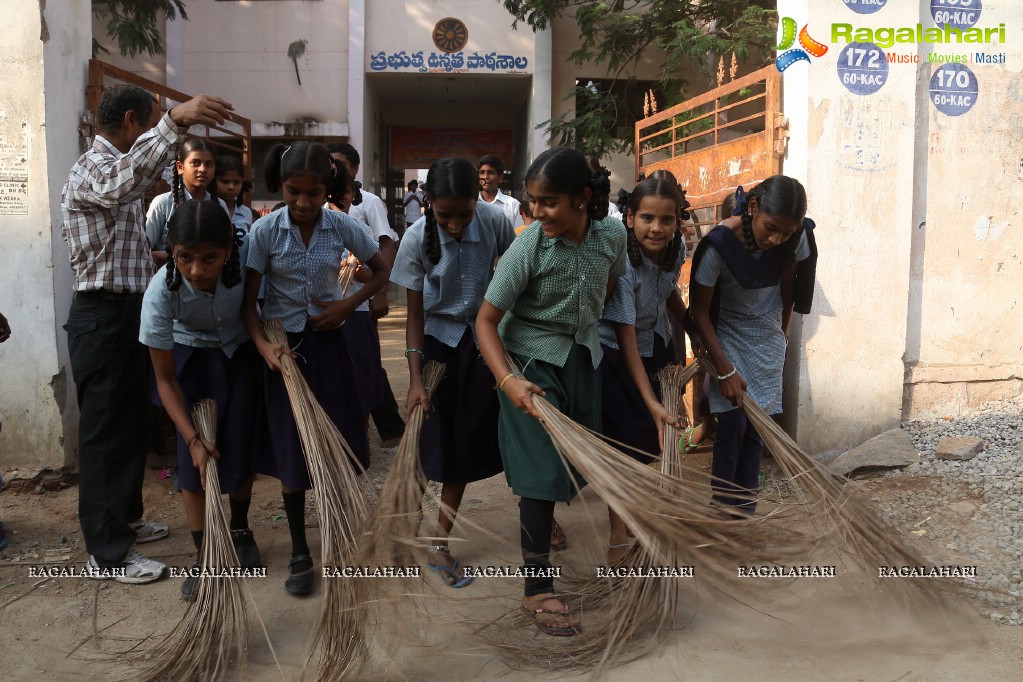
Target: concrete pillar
x=540, y=109
x=44, y=71
x=357, y=82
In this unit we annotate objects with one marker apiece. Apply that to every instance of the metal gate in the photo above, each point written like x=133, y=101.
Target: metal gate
x=234, y=136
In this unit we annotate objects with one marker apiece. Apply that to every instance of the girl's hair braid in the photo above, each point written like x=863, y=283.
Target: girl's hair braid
x=632, y=248
x=173, y=275
x=431, y=238
x=177, y=188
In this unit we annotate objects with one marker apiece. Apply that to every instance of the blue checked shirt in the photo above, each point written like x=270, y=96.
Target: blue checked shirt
x=553, y=290
x=102, y=206
x=454, y=287
x=296, y=274
x=638, y=300
x=192, y=317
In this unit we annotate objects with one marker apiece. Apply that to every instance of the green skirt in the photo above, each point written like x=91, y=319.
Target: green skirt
x=531, y=464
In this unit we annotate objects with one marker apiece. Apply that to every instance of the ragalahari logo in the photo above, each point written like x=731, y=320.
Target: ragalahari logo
x=809, y=46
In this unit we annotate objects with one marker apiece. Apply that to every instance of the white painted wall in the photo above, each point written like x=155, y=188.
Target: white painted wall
x=239, y=50
x=44, y=95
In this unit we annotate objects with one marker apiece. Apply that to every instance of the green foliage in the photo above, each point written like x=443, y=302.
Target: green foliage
x=616, y=34
x=132, y=24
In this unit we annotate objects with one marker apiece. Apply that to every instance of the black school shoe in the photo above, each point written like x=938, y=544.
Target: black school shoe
x=188, y=587
x=246, y=549
x=300, y=581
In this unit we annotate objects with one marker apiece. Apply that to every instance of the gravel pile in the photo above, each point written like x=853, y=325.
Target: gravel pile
x=970, y=511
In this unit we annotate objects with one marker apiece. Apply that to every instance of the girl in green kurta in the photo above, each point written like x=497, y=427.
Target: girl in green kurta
x=542, y=306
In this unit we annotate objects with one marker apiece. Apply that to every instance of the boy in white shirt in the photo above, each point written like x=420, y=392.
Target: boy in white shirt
x=491, y=172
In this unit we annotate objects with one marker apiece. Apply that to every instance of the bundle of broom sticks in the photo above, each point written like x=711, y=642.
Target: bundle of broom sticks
x=344, y=511
x=345, y=277
x=668, y=511
x=391, y=537
x=213, y=632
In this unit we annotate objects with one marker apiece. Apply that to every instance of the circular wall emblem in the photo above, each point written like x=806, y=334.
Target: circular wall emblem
x=450, y=35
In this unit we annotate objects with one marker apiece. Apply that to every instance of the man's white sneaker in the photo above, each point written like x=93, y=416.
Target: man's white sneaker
x=148, y=531
x=134, y=570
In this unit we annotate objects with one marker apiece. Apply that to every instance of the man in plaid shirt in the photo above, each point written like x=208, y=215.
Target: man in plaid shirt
x=104, y=226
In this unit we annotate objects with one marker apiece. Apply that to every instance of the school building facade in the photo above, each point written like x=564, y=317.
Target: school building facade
x=917, y=303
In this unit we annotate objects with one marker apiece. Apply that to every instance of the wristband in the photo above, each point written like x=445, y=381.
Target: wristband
x=415, y=350
x=193, y=439
x=725, y=376
x=501, y=383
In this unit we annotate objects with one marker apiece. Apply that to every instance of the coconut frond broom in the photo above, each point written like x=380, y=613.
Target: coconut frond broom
x=858, y=530
x=393, y=534
x=672, y=522
x=212, y=634
x=344, y=511
x=349, y=266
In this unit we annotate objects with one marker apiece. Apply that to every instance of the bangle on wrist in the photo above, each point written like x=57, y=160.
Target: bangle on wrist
x=722, y=377
x=415, y=350
x=504, y=380
x=193, y=439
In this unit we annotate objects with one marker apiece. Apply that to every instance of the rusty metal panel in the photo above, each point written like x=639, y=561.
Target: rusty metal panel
x=701, y=143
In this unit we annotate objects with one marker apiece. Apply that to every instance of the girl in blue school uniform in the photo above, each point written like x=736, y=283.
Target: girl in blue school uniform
x=193, y=173
x=297, y=249
x=635, y=332
x=742, y=290
x=191, y=322
x=445, y=261
x=230, y=187
x=542, y=306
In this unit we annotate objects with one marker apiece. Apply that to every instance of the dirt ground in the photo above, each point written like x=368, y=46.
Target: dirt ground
x=72, y=628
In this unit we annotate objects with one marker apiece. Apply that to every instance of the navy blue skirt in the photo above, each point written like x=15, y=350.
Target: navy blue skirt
x=458, y=443
x=327, y=367
x=207, y=373
x=625, y=415
x=364, y=345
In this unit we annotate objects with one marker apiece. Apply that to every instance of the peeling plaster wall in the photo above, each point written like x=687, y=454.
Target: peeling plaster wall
x=968, y=326
x=918, y=285
x=44, y=71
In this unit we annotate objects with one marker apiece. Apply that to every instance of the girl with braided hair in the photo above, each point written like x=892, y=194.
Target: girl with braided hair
x=445, y=262
x=542, y=307
x=193, y=172
x=298, y=249
x=743, y=287
x=635, y=332
x=191, y=322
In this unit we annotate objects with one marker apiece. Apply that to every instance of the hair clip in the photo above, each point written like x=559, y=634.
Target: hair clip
x=740, y=201
x=286, y=150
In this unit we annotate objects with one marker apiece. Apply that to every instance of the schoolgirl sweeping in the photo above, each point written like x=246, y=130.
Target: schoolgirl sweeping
x=635, y=332
x=445, y=261
x=298, y=250
x=542, y=307
x=191, y=321
x=742, y=289
x=193, y=172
